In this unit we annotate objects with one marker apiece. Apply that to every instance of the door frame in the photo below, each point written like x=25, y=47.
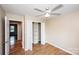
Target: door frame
x=7, y=32
x=6, y=36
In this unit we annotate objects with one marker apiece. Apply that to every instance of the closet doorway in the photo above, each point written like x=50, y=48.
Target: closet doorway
x=36, y=33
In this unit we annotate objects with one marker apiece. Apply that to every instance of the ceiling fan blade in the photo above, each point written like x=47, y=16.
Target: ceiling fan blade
x=55, y=14
x=57, y=7
x=38, y=10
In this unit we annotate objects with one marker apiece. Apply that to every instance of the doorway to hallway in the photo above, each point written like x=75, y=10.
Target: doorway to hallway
x=15, y=36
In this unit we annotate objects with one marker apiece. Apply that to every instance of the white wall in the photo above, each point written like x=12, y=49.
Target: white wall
x=2, y=14
x=29, y=33
x=27, y=29
x=63, y=32
x=43, y=34
x=15, y=17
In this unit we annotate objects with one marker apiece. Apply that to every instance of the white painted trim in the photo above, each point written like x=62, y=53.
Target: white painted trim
x=23, y=36
x=6, y=36
x=26, y=49
x=43, y=41
x=61, y=48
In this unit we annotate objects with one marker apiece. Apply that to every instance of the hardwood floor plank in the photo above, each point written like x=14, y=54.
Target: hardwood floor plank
x=38, y=49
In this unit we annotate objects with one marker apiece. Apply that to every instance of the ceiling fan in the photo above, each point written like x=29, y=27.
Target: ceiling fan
x=49, y=12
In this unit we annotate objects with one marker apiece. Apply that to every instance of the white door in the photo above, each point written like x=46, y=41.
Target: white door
x=6, y=36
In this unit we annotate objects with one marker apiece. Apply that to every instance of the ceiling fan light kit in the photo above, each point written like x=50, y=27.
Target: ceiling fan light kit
x=49, y=12
x=47, y=15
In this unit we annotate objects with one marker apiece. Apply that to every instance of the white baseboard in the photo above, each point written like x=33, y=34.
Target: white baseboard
x=26, y=49
x=62, y=48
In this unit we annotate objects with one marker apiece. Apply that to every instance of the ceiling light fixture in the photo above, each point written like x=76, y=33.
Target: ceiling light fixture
x=47, y=15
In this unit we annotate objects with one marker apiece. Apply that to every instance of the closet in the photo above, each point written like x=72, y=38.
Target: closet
x=36, y=33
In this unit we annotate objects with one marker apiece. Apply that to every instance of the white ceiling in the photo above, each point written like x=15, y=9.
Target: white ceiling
x=28, y=9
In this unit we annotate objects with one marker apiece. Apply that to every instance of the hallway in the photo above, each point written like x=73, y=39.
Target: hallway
x=38, y=50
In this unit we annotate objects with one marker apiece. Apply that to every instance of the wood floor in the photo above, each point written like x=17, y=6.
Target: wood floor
x=16, y=47
x=38, y=49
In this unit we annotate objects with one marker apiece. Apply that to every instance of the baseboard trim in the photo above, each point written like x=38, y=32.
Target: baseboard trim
x=26, y=49
x=62, y=48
